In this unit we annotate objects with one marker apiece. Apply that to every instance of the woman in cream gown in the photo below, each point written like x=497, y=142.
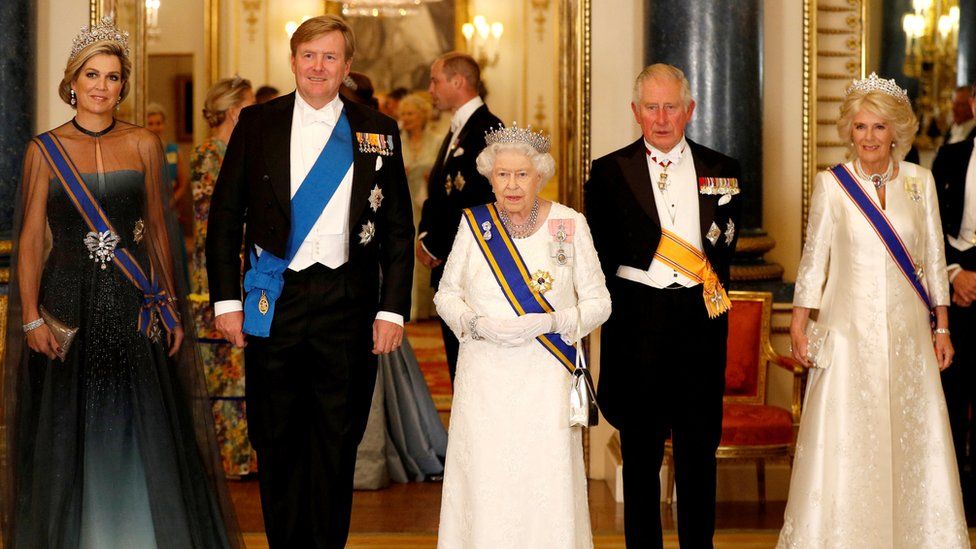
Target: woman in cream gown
x=875, y=466
x=514, y=474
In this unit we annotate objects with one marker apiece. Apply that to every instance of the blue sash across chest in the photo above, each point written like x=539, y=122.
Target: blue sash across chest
x=263, y=282
x=885, y=231
x=512, y=275
x=155, y=301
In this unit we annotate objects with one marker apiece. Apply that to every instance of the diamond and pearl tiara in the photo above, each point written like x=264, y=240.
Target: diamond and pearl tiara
x=515, y=134
x=102, y=32
x=874, y=83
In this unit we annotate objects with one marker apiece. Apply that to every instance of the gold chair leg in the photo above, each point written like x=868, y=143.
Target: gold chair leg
x=669, y=489
x=761, y=480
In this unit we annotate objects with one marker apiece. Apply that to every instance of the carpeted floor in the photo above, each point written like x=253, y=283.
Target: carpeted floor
x=425, y=337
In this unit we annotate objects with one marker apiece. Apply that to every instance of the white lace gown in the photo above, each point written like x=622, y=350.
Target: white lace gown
x=514, y=475
x=875, y=466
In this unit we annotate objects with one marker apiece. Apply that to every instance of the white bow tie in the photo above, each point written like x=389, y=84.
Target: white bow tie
x=326, y=116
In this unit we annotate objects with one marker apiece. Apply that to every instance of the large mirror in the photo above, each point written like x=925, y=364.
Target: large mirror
x=920, y=43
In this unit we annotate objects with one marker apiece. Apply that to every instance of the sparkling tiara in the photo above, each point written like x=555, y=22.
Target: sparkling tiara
x=515, y=134
x=874, y=83
x=106, y=31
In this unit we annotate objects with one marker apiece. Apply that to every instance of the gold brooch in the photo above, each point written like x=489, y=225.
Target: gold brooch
x=541, y=281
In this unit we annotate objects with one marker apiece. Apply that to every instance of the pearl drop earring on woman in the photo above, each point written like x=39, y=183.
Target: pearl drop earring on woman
x=74, y=98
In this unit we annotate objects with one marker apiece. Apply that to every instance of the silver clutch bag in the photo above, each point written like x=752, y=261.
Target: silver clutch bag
x=64, y=334
x=819, y=344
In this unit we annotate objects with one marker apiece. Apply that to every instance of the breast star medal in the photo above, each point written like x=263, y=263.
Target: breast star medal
x=713, y=233
x=729, y=232
x=375, y=197
x=541, y=281
x=263, y=304
x=367, y=233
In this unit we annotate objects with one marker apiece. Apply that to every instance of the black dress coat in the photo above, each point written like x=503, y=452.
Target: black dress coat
x=454, y=185
x=253, y=196
x=623, y=217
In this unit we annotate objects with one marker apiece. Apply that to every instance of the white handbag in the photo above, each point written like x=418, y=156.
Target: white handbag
x=583, y=411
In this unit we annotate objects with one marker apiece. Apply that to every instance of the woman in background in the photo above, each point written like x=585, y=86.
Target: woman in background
x=223, y=363
x=420, y=147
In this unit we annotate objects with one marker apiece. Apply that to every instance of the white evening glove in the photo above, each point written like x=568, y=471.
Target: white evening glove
x=564, y=322
x=528, y=327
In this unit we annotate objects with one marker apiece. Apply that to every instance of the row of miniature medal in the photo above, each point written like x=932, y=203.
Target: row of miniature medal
x=375, y=143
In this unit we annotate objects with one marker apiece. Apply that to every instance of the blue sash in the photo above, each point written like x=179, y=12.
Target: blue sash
x=263, y=281
x=879, y=222
x=154, y=298
x=512, y=276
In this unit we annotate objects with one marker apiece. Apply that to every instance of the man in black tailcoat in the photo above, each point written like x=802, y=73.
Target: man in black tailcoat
x=454, y=182
x=345, y=291
x=954, y=170
x=662, y=352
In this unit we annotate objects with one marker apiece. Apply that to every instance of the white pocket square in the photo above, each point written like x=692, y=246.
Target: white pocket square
x=379, y=163
x=725, y=199
x=458, y=151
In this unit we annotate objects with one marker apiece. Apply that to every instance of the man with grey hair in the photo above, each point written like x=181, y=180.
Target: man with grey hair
x=454, y=182
x=664, y=212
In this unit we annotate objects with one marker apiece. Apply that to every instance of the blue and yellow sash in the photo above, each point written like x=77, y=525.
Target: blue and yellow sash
x=512, y=276
x=264, y=281
x=154, y=298
x=879, y=222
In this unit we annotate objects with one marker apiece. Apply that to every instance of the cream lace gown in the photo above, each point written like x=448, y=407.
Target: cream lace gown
x=514, y=474
x=874, y=465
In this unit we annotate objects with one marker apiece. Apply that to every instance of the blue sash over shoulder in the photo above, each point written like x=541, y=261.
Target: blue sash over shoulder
x=889, y=237
x=263, y=282
x=155, y=302
x=512, y=276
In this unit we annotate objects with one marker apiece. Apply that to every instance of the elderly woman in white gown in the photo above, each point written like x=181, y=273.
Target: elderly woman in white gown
x=514, y=474
x=875, y=465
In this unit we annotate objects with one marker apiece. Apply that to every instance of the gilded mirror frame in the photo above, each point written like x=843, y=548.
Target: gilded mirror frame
x=835, y=35
x=129, y=15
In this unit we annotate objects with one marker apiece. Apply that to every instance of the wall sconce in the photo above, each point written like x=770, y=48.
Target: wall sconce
x=292, y=26
x=152, y=18
x=482, y=40
x=931, y=40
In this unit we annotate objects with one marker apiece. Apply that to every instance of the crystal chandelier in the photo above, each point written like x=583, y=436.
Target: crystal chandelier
x=931, y=49
x=383, y=8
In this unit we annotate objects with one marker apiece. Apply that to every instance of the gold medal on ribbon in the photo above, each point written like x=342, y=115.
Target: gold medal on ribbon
x=263, y=304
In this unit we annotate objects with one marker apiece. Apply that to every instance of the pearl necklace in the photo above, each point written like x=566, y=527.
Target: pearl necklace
x=520, y=230
x=877, y=179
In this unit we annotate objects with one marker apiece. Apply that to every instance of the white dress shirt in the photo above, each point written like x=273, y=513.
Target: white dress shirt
x=677, y=207
x=966, y=238
x=328, y=240
x=959, y=132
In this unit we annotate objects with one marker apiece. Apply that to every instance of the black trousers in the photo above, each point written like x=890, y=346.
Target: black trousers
x=959, y=385
x=308, y=394
x=678, y=377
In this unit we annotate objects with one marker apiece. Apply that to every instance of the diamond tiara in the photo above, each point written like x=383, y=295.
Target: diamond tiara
x=874, y=83
x=106, y=31
x=515, y=134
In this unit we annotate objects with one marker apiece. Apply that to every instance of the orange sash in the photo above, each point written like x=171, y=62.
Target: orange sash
x=688, y=260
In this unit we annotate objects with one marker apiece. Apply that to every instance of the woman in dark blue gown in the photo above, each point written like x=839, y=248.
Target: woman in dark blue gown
x=113, y=446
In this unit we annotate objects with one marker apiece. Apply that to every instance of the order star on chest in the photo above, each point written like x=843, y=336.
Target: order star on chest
x=375, y=198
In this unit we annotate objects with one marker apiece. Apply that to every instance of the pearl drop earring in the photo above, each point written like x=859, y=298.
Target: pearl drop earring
x=74, y=98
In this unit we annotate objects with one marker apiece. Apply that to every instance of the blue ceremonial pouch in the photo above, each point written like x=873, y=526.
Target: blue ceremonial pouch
x=264, y=281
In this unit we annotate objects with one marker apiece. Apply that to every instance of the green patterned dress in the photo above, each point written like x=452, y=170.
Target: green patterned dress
x=223, y=363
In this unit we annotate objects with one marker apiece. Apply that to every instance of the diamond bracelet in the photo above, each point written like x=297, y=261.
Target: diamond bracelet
x=33, y=325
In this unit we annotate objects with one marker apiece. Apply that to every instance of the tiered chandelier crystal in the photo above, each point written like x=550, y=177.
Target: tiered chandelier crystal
x=383, y=8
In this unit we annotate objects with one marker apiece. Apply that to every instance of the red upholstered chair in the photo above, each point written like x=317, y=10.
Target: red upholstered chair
x=751, y=429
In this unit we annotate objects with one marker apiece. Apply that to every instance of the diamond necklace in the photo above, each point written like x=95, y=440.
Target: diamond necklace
x=520, y=230
x=879, y=180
